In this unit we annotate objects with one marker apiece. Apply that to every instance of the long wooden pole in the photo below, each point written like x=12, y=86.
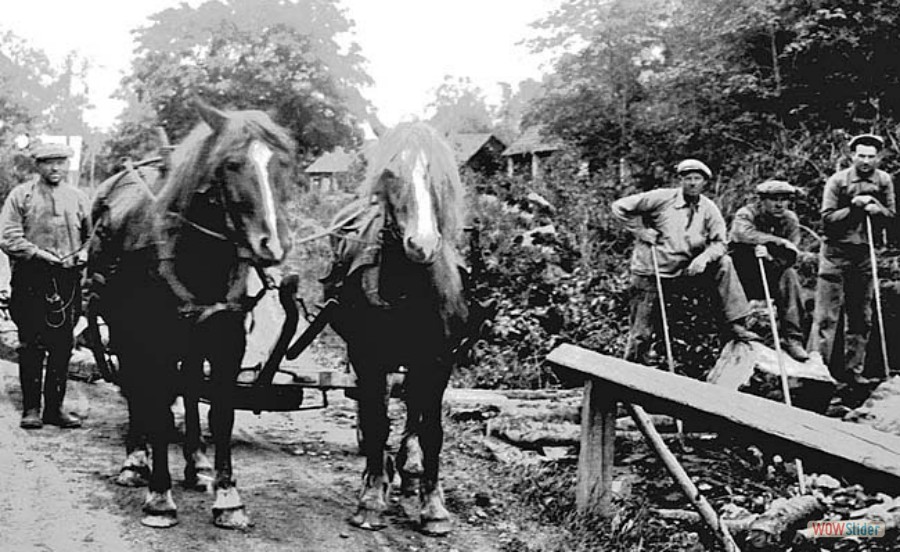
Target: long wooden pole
x=785, y=388
x=874, y=262
x=670, y=358
x=719, y=529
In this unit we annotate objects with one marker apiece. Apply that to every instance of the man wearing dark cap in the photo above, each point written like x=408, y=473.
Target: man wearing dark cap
x=688, y=234
x=770, y=230
x=844, y=281
x=44, y=224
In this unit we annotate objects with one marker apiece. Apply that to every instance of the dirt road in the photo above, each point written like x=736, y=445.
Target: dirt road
x=298, y=473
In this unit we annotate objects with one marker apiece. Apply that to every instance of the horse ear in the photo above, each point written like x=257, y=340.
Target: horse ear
x=215, y=118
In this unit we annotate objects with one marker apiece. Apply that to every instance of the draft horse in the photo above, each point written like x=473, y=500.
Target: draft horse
x=179, y=297
x=398, y=283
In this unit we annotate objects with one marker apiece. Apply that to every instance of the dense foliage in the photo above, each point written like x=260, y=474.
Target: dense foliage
x=279, y=57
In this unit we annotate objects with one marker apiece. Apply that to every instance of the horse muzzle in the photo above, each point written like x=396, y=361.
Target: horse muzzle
x=269, y=251
x=422, y=251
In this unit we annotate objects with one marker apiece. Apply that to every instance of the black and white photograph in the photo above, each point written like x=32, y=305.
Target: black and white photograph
x=449, y=276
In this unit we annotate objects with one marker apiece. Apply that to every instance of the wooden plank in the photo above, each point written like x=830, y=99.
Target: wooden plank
x=682, y=396
x=595, y=458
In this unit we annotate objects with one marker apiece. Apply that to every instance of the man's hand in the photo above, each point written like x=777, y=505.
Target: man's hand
x=873, y=209
x=48, y=257
x=698, y=265
x=648, y=235
x=762, y=252
x=862, y=200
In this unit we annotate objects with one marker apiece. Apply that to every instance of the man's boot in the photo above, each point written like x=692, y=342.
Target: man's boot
x=55, y=393
x=30, y=372
x=793, y=347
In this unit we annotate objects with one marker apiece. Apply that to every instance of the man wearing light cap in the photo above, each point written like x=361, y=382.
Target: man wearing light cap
x=844, y=281
x=689, y=235
x=770, y=230
x=44, y=224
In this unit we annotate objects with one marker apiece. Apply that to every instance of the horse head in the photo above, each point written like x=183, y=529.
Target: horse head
x=413, y=171
x=244, y=160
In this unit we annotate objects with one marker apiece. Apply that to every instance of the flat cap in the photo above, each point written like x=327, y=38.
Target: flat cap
x=693, y=165
x=51, y=151
x=867, y=140
x=775, y=187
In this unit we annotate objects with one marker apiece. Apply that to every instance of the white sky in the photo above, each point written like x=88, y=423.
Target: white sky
x=410, y=44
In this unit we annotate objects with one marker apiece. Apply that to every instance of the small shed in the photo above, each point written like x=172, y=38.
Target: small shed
x=480, y=152
x=331, y=171
x=528, y=151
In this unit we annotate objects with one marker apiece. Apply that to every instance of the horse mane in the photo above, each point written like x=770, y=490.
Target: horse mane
x=202, y=151
x=394, y=153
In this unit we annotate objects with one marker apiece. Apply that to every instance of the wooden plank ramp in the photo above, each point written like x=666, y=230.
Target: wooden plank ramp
x=832, y=446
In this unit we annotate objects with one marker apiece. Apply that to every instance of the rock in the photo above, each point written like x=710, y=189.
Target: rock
x=882, y=409
x=754, y=368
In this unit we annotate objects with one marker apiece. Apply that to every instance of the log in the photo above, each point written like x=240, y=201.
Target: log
x=534, y=435
x=769, y=530
x=736, y=527
x=698, y=500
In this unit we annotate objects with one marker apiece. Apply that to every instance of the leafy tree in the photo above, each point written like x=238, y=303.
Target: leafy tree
x=459, y=106
x=278, y=56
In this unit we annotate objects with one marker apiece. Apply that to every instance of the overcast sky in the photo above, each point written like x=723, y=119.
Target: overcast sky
x=410, y=44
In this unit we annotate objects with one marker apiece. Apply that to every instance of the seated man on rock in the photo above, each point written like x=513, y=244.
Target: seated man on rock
x=770, y=230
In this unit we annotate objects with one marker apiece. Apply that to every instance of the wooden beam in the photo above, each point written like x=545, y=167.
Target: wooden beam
x=800, y=431
x=595, y=457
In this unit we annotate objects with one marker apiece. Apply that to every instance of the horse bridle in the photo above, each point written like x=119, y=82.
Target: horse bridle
x=204, y=312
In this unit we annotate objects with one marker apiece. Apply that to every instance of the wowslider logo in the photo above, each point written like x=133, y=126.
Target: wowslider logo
x=847, y=528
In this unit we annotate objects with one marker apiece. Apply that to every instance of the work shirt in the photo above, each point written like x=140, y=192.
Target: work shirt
x=843, y=223
x=37, y=216
x=687, y=229
x=752, y=226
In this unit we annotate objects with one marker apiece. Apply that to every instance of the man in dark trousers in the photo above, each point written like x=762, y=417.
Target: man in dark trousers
x=44, y=224
x=844, y=281
x=686, y=232
x=770, y=230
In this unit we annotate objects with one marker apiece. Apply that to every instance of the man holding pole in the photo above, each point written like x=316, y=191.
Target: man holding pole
x=770, y=230
x=853, y=199
x=681, y=239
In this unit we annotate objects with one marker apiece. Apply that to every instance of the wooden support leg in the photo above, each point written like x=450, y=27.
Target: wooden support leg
x=699, y=501
x=595, y=460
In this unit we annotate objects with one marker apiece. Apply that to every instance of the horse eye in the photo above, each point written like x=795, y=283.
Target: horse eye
x=234, y=166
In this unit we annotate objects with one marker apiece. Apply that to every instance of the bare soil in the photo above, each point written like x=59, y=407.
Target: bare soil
x=298, y=473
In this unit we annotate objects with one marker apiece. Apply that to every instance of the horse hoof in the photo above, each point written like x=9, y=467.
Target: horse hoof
x=135, y=471
x=228, y=510
x=131, y=476
x=435, y=518
x=160, y=510
x=232, y=518
x=371, y=520
x=158, y=521
x=200, y=482
x=436, y=527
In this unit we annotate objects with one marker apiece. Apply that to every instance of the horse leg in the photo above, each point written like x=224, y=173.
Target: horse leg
x=409, y=460
x=159, y=506
x=198, y=470
x=135, y=471
x=225, y=349
x=375, y=426
x=426, y=391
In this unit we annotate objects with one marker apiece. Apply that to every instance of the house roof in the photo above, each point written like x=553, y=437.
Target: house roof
x=531, y=141
x=336, y=161
x=465, y=146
